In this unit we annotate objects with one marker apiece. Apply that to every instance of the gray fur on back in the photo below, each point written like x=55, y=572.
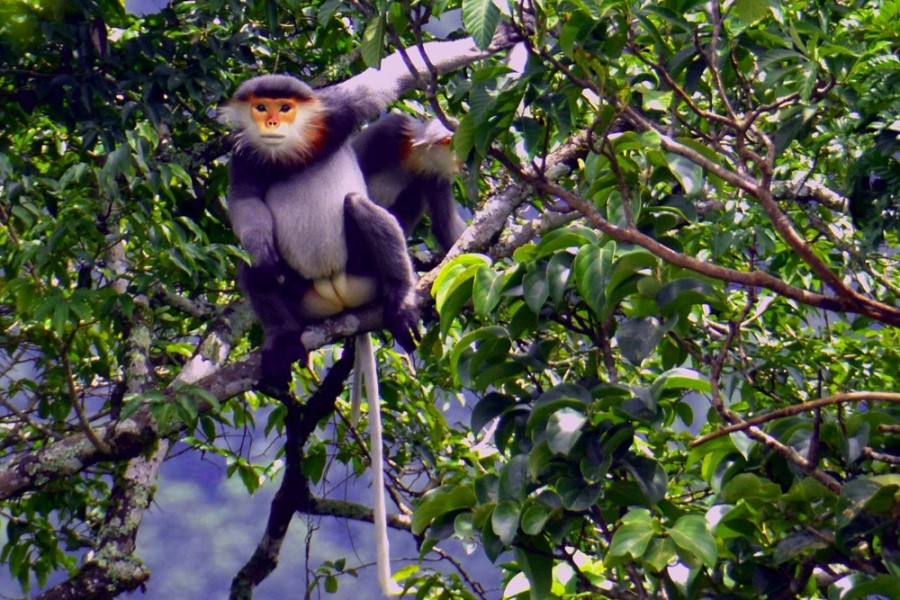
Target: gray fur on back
x=386, y=186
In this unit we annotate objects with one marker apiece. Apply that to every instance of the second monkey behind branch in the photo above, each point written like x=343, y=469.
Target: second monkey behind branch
x=409, y=166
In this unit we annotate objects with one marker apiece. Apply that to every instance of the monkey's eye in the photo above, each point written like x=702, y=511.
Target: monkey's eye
x=286, y=108
x=260, y=108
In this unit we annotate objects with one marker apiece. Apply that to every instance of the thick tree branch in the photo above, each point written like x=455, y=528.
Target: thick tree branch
x=492, y=217
x=114, y=569
x=294, y=494
x=125, y=439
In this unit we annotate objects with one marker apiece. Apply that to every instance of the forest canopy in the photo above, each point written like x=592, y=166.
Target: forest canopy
x=672, y=324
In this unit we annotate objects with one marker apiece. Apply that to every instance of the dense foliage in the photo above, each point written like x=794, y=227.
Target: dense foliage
x=675, y=314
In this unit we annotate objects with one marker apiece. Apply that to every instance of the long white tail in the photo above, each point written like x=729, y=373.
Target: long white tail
x=365, y=367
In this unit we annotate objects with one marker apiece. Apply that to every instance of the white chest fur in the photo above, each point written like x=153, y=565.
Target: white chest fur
x=308, y=209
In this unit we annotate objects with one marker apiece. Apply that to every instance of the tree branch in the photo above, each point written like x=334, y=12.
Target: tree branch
x=294, y=494
x=855, y=304
x=796, y=409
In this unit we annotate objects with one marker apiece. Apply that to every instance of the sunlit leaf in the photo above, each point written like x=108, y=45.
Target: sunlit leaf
x=634, y=535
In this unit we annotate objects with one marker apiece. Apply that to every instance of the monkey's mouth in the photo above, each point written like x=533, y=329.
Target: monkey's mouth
x=272, y=139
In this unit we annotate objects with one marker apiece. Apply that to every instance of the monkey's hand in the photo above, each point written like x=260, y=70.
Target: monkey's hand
x=401, y=318
x=264, y=278
x=267, y=273
x=262, y=248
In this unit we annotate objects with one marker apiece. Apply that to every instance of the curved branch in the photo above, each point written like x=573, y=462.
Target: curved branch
x=294, y=494
x=848, y=300
x=796, y=409
x=114, y=569
x=125, y=439
x=855, y=304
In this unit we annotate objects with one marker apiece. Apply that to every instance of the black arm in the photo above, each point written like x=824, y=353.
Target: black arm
x=373, y=230
x=446, y=224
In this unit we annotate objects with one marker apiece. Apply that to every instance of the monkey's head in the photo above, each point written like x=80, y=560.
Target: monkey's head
x=428, y=151
x=279, y=118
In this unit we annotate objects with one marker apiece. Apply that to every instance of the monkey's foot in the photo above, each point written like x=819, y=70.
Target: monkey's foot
x=277, y=359
x=403, y=323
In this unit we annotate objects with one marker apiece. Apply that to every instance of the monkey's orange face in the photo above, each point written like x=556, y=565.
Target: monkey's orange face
x=273, y=117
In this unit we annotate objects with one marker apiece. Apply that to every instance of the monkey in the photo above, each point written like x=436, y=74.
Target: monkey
x=296, y=204
x=319, y=246
x=409, y=165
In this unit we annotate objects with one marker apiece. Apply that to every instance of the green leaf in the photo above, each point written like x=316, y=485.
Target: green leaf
x=314, y=461
x=538, y=568
x=554, y=399
x=440, y=502
x=536, y=288
x=491, y=406
x=480, y=18
x=505, y=521
x=453, y=286
x=373, y=41
x=691, y=534
x=650, y=477
x=495, y=373
x=539, y=458
x=861, y=586
x=487, y=488
x=680, y=379
x=751, y=11
x=514, y=478
x=272, y=17
x=60, y=319
x=660, y=553
x=680, y=294
x=463, y=526
x=627, y=266
x=592, y=265
x=634, y=535
x=688, y=173
x=485, y=334
x=487, y=290
x=559, y=271
x=638, y=338
x=493, y=547
x=578, y=496
x=749, y=485
x=798, y=544
x=574, y=236
x=564, y=430
x=535, y=516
